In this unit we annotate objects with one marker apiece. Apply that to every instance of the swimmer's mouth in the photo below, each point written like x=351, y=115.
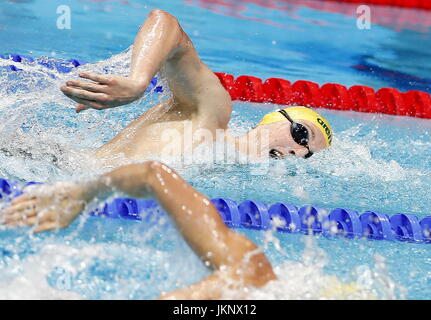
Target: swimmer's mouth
x=275, y=154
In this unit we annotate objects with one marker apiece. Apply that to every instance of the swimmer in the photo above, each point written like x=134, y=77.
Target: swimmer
x=237, y=262
x=199, y=102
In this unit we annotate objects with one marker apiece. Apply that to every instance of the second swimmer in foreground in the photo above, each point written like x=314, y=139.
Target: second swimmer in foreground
x=237, y=262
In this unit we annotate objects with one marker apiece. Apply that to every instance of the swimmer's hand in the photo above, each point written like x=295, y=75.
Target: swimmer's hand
x=103, y=91
x=47, y=207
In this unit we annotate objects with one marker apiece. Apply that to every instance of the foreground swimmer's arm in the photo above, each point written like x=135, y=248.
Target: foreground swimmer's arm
x=161, y=44
x=236, y=260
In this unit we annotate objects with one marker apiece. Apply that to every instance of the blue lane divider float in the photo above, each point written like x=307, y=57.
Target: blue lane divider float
x=255, y=214
x=291, y=219
x=62, y=66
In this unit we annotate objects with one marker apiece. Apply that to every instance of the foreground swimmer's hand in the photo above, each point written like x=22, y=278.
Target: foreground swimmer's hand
x=104, y=91
x=47, y=207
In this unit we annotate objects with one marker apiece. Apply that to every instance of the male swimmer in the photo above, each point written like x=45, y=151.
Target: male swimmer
x=237, y=261
x=199, y=102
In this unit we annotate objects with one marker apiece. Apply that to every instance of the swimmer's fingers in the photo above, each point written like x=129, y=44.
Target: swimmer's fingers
x=19, y=211
x=104, y=79
x=84, y=94
x=19, y=206
x=81, y=107
x=34, y=221
x=86, y=104
x=46, y=227
x=90, y=86
x=30, y=217
x=23, y=222
x=89, y=104
x=94, y=87
x=21, y=198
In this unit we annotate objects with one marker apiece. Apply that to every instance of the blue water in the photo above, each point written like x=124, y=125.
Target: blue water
x=377, y=162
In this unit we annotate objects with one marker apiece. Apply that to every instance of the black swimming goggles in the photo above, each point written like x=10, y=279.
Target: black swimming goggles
x=299, y=133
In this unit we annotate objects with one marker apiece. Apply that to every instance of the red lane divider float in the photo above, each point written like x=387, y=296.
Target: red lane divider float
x=306, y=93
x=418, y=4
x=330, y=96
x=398, y=15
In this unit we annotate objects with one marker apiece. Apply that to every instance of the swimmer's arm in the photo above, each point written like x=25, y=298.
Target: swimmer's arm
x=231, y=255
x=193, y=213
x=162, y=45
x=161, y=42
x=159, y=38
x=197, y=219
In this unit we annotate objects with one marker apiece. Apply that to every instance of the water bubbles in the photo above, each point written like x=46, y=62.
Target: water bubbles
x=40, y=128
x=364, y=276
x=301, y=194
x=42, y=139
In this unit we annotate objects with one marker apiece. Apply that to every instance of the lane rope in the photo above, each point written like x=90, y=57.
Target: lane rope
x=413, y=4
x=413, y=103
x=283, y=217
x=257, y=215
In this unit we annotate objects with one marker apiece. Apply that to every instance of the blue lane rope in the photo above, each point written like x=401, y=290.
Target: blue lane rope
x=255, y=214
x=62, y=66
x=259, y=216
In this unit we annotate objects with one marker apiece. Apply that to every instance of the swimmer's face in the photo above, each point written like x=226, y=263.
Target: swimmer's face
x=282, y=144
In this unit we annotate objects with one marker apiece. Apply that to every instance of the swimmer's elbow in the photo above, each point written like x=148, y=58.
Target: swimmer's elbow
x=173, y=27
x=249, y=262
x=167, y=18
x=261, y=271
x=160, y=13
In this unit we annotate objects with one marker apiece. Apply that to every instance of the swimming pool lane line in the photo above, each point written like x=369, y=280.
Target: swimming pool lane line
x=359, y=98
x=279, y=216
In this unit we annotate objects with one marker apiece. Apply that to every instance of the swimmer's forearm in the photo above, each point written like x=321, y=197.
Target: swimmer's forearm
x=132, y=180
x=195, y=216
x=189, y=209
x=157, y=40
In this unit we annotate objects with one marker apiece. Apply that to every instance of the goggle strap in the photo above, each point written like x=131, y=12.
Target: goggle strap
x=284, y=113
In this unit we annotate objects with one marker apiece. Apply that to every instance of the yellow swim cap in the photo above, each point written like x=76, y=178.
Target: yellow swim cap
x=302, y=113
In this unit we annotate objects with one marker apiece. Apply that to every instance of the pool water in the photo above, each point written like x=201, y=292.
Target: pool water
x=377, y=162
